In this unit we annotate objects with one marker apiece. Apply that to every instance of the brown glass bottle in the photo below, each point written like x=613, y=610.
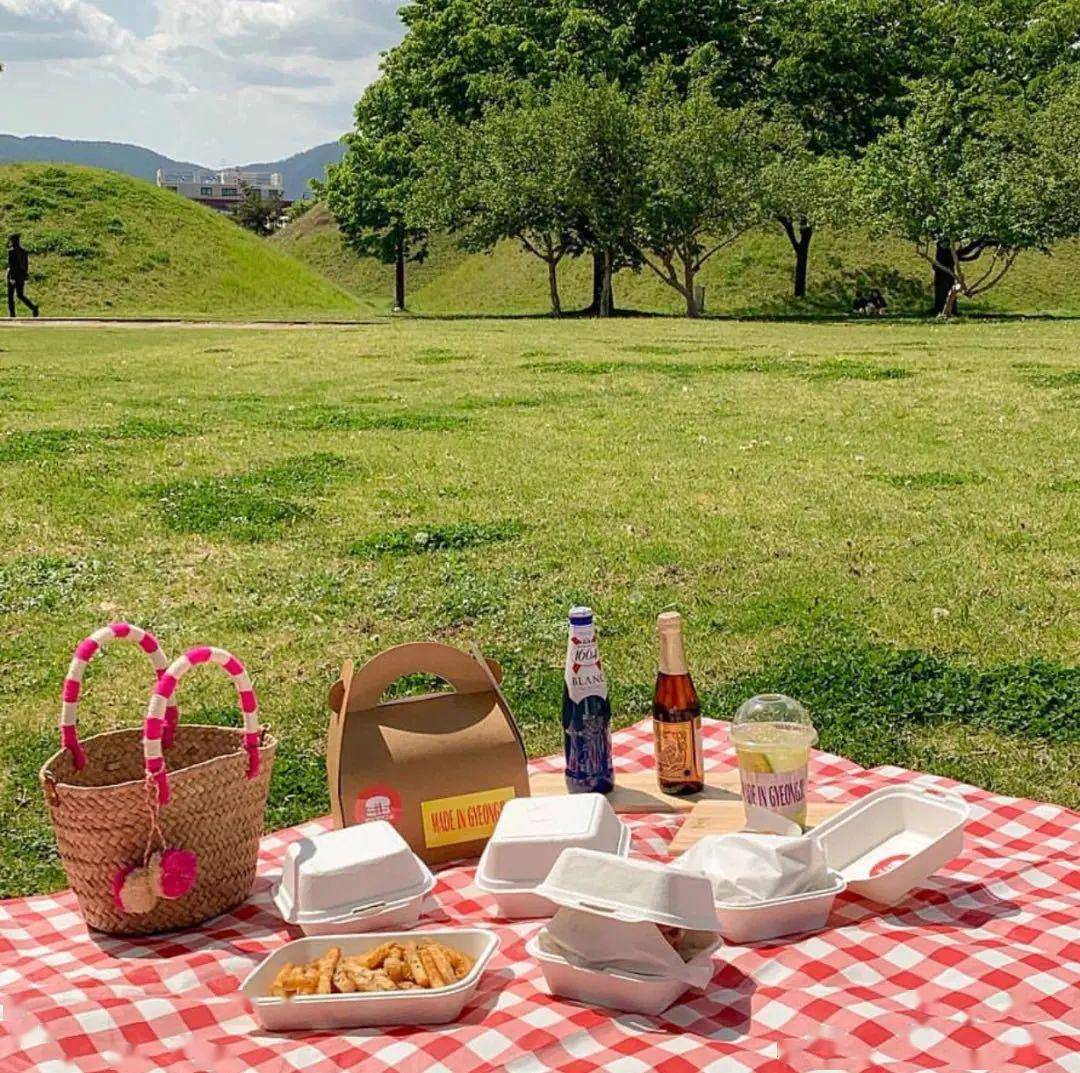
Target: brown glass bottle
x=680, y=765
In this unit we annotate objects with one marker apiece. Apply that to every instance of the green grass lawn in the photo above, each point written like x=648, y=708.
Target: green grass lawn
x=878, y=518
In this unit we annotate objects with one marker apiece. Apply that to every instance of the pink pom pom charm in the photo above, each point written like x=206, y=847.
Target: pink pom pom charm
x=168, y=874
x=173, y=872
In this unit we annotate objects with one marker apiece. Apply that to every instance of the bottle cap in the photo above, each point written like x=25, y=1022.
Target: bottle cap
x=669, y=620
x=581, y=616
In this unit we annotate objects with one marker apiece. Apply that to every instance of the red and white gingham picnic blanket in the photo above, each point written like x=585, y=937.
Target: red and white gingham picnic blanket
x=978, y=970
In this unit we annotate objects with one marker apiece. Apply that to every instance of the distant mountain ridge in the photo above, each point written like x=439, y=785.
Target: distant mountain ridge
x=296, y=171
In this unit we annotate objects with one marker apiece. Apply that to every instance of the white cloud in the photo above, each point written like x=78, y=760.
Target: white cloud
x=210, y=73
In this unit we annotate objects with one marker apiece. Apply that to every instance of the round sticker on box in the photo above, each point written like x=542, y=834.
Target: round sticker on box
x=377, y=803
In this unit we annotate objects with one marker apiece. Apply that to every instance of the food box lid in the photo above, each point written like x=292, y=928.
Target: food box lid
x=888, y=827
x=341, y=875
x=631, y=890
x=533, y=831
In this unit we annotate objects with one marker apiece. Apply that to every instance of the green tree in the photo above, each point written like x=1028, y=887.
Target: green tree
x=606, y=184
x=976, y=175
x=460, y=57
x=263, y=215
x=704, y=171
x=837, y=68
x=805, y=192
x=507, y=175
x=368, y=192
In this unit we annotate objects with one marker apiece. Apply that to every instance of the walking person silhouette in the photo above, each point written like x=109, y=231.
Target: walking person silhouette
x=18, y=272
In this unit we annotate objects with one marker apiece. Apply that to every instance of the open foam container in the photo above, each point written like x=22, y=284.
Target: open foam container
x=358, y=879
x=893, y=839
x=365, y=1009
x=604, y=945
x=531, y=834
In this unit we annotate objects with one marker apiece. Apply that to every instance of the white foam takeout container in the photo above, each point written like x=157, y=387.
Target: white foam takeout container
x=617, y=989
x=531, y=834
x=358, y=879
x=893, y=839
x=769, y=918
x=365, y=1009
x=621, y=888
x=603, y=947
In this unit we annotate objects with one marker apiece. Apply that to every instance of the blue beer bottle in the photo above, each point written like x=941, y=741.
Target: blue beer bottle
x=586, y=711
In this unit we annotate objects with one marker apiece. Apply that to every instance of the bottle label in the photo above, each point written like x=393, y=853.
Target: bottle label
x=678, y=750
x=583, y=673
x=781, y=792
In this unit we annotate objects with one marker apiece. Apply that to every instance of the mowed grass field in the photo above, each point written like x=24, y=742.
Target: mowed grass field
x=878, y=518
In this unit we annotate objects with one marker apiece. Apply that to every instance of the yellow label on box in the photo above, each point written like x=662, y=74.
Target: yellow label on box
x=465, y=818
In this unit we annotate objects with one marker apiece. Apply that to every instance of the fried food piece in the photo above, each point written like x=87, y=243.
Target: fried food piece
x=326, y=966
x=374, y=958
x=416, y=966
x=408, y=985
x=343, y=980
x=295, y=980
x=383, y=982
x=277, y=988
x=461, y=963
x=394, y=967
x=435, y=978
x=441, y=963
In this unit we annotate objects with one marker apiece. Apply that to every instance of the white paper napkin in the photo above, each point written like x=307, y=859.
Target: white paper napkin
x=748, y=868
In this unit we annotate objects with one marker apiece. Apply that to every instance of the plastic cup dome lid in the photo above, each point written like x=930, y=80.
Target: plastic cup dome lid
x=772, y=719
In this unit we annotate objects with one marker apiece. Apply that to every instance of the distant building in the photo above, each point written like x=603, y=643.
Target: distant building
x=221, y=190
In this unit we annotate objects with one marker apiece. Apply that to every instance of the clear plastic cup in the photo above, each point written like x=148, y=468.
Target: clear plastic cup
x=772, y=735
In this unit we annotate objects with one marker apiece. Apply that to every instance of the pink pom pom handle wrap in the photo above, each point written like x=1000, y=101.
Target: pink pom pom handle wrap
x=85, y=651
x=161, y=700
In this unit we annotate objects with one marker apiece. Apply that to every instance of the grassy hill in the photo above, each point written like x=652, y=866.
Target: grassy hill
x=752, y=277
x=105, y=244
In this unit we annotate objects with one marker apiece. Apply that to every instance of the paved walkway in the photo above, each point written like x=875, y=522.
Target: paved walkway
x=239, y=325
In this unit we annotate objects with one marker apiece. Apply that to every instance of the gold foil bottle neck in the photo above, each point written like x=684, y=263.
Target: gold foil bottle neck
x=672, y=656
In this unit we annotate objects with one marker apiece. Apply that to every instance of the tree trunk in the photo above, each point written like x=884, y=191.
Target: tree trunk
x=943, y=282
x=688, y=290
x=800, y=243
x=605, y=285
x=593, y=309
x=553, y=287
x=399, y=273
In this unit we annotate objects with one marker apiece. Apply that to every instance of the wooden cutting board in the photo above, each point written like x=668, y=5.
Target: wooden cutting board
x=727, y=817
x=638, y=792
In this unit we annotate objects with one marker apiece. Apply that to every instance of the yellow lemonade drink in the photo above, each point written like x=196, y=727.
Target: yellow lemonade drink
x=772, y=735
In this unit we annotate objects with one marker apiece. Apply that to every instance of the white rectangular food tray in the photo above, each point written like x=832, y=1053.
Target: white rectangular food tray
x=365, y=1009
x=618, y=990
x=893, y=839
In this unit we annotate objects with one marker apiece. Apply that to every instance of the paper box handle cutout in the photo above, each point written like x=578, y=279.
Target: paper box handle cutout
x=452, y=665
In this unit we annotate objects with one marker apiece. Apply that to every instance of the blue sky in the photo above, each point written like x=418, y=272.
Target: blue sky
x=211, y=81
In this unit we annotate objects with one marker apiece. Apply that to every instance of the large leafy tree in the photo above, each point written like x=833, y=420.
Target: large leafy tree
x=838, y=69
x=607, y=185
x=507, y=175
x=368, y=192
x=704, y=173
x=460, y=57
x=974, y=176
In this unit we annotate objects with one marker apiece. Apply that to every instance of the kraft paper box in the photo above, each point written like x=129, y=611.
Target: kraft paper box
x=439, y=767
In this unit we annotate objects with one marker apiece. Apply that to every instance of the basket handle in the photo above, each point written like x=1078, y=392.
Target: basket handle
x=85, y=651
x=156, y=716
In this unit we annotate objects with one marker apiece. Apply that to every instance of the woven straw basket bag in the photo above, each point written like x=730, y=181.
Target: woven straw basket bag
x=158, y=828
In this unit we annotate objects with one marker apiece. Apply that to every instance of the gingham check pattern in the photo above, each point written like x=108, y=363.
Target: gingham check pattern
x=978, y=970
